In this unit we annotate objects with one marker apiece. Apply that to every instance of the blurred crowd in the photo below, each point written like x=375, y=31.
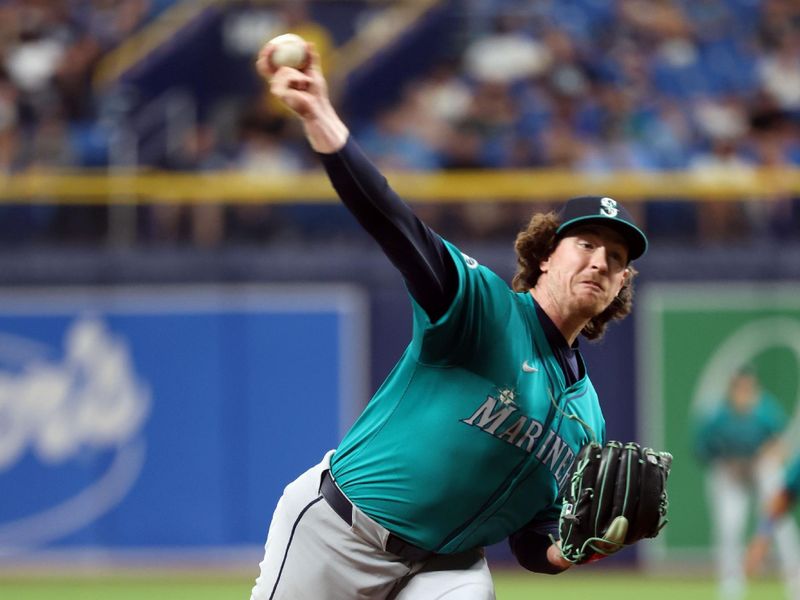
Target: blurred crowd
x=48, y=50
x=596, y=86
x=592, y=86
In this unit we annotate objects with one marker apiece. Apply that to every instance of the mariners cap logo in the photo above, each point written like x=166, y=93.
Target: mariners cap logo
x=603, y=211
x=608, y=207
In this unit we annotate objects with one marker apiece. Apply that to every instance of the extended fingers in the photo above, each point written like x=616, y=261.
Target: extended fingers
x=287, y=78
x=304, y=91
x=294, y=89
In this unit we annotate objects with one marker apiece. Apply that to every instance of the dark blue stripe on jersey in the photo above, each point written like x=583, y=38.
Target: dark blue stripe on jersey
x=566, y=356
x=414, y=248
x=289, y=543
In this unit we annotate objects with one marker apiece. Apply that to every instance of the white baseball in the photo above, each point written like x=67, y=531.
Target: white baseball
x=290, y=50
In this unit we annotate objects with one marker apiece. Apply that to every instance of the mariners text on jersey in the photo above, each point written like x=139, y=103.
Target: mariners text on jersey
x=523, y=432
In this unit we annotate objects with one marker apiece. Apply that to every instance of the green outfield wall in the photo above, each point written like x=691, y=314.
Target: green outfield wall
x=691, y=339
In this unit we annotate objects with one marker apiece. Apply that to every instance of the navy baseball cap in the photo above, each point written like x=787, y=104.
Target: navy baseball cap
x=602, y=210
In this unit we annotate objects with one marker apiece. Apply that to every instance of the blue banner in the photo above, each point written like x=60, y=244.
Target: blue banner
x=168, y=417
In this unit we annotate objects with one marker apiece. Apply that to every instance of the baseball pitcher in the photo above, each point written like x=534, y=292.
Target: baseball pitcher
x=488, y=427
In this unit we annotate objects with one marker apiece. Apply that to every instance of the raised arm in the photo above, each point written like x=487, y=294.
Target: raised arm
x=414, y=249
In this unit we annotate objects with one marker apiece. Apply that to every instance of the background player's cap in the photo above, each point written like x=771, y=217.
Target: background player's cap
x=604, y=211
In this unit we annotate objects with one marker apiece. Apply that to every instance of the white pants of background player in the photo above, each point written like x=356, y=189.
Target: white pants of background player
x=311, y=553
x=730, y=496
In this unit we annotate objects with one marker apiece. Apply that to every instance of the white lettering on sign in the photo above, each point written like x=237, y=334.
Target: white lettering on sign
x=91, y=398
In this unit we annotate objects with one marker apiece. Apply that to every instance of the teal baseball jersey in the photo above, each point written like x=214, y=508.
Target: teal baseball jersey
x=792, y=478
x=475, y=430
x=726, y=433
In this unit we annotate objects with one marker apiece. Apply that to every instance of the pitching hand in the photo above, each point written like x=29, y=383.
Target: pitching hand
x=306, y=93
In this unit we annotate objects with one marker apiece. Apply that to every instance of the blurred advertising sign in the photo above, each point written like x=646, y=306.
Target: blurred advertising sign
x=168, y=417
x=692, y=338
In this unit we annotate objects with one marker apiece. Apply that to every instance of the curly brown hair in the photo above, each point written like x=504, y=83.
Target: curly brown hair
x=535, y=244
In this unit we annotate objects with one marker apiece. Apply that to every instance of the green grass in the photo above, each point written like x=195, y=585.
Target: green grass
x=597, y=585
x=510, y=585
x=125, y=588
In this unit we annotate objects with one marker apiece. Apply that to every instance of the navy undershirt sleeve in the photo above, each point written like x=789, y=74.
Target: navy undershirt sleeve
x=413, y=248
x=529, y=546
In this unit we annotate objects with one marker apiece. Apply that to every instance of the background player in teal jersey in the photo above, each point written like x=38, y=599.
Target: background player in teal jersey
x=472, y=435
x=775, y=512
x=739, y=442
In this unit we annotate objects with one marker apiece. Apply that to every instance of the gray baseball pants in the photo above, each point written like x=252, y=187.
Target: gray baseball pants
x=312, y=553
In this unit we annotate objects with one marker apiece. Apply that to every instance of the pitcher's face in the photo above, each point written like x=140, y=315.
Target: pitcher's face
x=586, y=270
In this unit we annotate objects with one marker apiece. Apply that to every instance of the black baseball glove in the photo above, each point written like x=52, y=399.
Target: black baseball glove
x=617, y=495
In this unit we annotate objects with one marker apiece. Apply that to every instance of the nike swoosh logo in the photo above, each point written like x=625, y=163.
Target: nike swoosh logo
x=528, y=368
